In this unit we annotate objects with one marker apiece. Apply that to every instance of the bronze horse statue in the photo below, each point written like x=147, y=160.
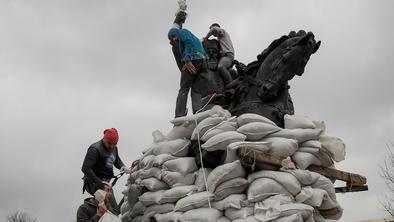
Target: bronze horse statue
x=261, y=87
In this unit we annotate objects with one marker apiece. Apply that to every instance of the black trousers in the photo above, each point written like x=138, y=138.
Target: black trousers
x=186, y=84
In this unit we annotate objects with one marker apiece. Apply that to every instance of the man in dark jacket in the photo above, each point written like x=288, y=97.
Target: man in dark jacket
x=90, y=211
x=191, y=60
x=99, y=161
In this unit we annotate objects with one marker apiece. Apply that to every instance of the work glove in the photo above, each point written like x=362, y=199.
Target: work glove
x=125, y=169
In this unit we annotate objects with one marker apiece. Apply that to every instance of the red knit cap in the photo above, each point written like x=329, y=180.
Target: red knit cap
x=111, y=135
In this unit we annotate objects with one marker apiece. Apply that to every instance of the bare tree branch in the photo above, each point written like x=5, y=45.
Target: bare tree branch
x=20, y=217
x=387, y=173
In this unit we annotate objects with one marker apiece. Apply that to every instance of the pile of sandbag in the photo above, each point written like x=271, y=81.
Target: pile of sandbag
x=169, y=185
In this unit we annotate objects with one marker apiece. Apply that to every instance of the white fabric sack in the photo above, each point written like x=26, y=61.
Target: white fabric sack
x=162, y=158
x=146, y=161
x=136, y=219
x=334, y=146
x=232, y=201
x=193, y=201
x=205, y=125
x=224, y=173
x=183, y=165
x=138, y=209
x=243, y=213
x=291, y=218
x=301, y=135
x=125, y=217
x=281, y=147
x=312, y=197
x=320, y=125
x=147, y=173
x=304, y=160
x=125, y=207
x=109, y=217
x=306, y=211
x=257, y=130
x=153, y=184
x=233, y=186
x=321, y=154
x=183, y=131
x=215, y=111
x=298, y=122
x=200, y=180
x=251, y=117
x=222, y=127
x=262, y=188
x=311, y=143
x=168, y=217
x=248, y=219
x=133, y=192
x=151, y=198
x=157, y=209
x=232, y=149
x=223, y=219
x=178, y=147
x=158, y=136
x=174, y=194
x=222, y=140
x=177, y=179
x=201, y=215
x=287, y=180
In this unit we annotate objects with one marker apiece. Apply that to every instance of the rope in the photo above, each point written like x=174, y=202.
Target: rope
x=199, y=147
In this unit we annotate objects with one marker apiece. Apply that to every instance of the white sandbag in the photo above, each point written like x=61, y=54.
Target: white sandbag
x=147, y=173
x=125, y=217
x=201, y=215
x=233, y=186
x=291, y=218
x=334, y=146
x=109, y=217
x=321, y=154
x=200, y=180
x=162, y=158
x=306, y=211
x=153, y=184
x=183, y=131
x=311, y=143
x=183, y=165
x=222, y=127
x=168, y=217
x=137, y=210
x=151, y=198
x=125, y=207
x=146, y=162
x=312, y=197
x=232, y=149
x=136, y=219
x=157, y=209
x=224, y=173
x=262, y=188
x=133, y=192
x=232, y=201
x=158, y=136
x=301, y=135
x=223, y=219
x=257, y=130
x=178, y=147
x=215, y=111
x=222, y=140
x=251, y=117
x=298, y=122
x=193, y=201
x=205, y=125
x=304, y=160
x=248, y=219
x=287, y=180
x=243, y=213
x=174, y=194
x=320, y=125
x=177, y=179
x=281, y=147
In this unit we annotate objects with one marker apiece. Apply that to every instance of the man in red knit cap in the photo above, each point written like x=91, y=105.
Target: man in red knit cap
x=99, y=161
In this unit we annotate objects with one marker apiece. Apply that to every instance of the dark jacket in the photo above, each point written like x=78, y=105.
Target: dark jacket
x=191, y=46
x=98, y=164
x=87, y=212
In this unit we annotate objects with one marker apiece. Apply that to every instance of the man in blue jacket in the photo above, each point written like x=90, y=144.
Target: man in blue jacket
x=191, y=60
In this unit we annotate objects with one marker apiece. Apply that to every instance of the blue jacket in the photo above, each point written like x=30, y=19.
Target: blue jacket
x=191, y=46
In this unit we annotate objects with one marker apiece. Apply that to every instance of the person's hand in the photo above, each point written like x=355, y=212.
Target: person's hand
x=190, y=68
x=101, y=211
x=125, y=169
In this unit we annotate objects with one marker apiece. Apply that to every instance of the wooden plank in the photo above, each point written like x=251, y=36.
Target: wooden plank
x=354, y=182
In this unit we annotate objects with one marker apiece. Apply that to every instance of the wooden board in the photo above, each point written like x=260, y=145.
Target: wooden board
x=354, y=182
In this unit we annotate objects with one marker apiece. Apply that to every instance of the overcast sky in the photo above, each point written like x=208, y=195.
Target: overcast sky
x=71, y=68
